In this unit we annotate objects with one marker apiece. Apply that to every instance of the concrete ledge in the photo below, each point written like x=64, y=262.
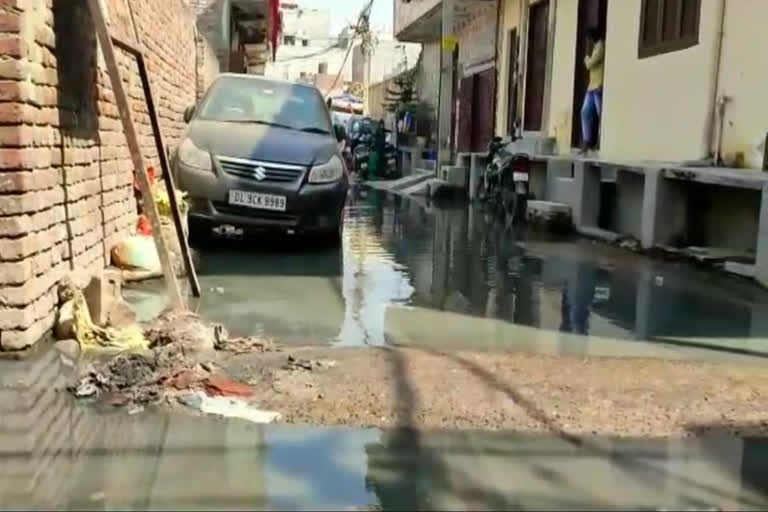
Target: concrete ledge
x=598, y=233
x=724, y=176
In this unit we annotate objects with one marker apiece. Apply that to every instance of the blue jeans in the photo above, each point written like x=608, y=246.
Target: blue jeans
x=591, y=110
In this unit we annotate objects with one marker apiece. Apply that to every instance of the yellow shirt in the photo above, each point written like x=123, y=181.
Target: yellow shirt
x=594, y=63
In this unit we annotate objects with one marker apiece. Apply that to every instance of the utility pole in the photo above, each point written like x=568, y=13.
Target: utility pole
x=366, y=78
x=448, y=43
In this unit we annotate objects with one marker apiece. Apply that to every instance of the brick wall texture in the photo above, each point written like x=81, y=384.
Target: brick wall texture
x=66, y=179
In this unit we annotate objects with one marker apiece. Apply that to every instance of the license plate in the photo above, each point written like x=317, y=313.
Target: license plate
x=255, y=200
x=520, y=176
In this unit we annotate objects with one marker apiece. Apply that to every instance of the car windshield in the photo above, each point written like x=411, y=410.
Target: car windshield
x=287, y=105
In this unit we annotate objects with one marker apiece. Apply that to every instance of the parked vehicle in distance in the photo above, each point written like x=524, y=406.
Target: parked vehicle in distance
x=262, y=155
x=505, y=184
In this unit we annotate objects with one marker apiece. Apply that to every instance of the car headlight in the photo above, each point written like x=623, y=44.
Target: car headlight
x=192, y=156
x=330, y=171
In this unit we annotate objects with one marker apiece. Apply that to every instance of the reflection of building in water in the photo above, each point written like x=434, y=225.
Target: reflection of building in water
x=372, y=278
x=58, y=454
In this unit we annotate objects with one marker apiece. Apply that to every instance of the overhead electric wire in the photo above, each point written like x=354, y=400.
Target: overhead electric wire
x=310, y=55
x=365, y=14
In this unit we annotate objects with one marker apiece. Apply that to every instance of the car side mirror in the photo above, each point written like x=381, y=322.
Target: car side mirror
x=188, y=113
x=341, y=133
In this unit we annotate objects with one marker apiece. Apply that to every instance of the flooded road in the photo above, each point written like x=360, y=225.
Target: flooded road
x=56, y=454
x=417, y=274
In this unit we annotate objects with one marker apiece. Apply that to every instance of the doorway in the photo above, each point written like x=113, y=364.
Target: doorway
x=592, y=13
x=535, y=76
x=512, y=77
x=475, y=122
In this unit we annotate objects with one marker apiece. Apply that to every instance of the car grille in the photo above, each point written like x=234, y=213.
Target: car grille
x=261, y=172
x=244, y=211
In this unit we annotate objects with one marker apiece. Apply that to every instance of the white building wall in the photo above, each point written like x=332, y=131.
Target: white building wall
x=292, y=61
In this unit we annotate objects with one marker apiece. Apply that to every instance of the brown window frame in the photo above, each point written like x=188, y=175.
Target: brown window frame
x=662, y=46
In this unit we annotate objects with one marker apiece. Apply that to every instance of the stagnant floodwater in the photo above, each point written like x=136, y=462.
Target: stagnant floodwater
x=408, y=274
x=416, y=274
x=56, y=454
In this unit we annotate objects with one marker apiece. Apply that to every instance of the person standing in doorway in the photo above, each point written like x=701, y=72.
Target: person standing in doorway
x=592, y=108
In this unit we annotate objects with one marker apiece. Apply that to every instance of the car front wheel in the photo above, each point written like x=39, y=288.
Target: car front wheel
x=200, y=232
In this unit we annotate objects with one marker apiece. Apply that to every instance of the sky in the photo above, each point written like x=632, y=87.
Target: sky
x=344, y=12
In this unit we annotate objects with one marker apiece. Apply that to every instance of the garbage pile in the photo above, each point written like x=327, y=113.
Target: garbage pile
x=168, y=361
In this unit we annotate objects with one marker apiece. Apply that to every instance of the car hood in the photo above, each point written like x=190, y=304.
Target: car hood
x=261, y=142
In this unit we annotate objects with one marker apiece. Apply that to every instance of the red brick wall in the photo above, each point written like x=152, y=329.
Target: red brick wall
x=65, y=174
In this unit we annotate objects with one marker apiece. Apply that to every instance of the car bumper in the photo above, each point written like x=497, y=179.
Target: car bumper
x=310, y=207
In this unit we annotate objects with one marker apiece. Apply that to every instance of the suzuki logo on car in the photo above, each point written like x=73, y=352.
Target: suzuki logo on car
x=260, y=173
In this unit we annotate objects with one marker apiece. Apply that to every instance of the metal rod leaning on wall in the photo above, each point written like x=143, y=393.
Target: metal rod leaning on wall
x=170, y=187
x=137, y=157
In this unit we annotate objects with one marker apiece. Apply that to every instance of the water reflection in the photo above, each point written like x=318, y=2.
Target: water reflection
x=57, y=454
x=405, y=262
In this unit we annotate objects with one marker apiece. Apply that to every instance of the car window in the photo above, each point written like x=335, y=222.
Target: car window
x=247, y=99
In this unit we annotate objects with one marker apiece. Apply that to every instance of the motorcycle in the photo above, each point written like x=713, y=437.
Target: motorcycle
x=505, y=184
x=391, y=170
x=360, y=159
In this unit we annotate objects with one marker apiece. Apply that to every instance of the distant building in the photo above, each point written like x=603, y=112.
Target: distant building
x=388, y=59
x=307, y=48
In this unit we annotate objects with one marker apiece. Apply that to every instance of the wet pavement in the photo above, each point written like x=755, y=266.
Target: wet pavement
x=57, y=454
x=412, y=274
x=408, y=269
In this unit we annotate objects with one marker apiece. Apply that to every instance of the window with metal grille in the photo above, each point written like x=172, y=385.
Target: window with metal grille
x=668, y=26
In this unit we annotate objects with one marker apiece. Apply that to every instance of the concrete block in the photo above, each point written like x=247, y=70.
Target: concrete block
x=549, y=215
x=740, y=269
x=598, y=234
x=65, y=321
x=440, y=189
x=455, y=175
x=587, y=195
x=664, y=209
x=478, y=165
x=102, y=291
x=534, y=145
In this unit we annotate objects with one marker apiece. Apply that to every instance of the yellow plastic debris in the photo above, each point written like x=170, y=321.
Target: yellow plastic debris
x=91, y=336
x=163, y=202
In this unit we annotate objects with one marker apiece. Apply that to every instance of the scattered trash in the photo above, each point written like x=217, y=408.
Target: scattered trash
x=228, y=408
x=223, y=386
x=308, y=364
x=244, y=345
x=192, y=400
x=629, y=243
x=132, y=378
x=135, y=409
x=659, y=280
x=185, y=329
x=184, y=380
x=136, y=252
x=86, y=388
x=144, y=226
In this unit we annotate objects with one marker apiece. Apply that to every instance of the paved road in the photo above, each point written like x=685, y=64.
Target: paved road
x=55, y=454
